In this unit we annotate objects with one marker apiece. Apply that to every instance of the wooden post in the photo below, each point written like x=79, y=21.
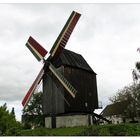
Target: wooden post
x=53, y=121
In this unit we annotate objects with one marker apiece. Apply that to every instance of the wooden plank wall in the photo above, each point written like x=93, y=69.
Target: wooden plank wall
x=85, y=83
x=53, y=101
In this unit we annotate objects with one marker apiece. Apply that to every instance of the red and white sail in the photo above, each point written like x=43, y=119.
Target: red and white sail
x=37, y=50
x=64, y=36
x=32, y=88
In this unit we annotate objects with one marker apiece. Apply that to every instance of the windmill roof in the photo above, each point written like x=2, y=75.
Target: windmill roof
x=72, y=59
x=115, y=109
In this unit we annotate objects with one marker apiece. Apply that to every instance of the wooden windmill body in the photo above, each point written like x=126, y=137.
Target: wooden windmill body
x=76, y=70
x=69, y=84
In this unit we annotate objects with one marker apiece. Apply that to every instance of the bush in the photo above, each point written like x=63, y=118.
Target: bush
x=8, y=123
x=96, y=131
x=104, y=132
x=117, y=130
x=112, y=130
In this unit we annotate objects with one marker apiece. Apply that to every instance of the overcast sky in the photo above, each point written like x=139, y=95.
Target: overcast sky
x=107, y=36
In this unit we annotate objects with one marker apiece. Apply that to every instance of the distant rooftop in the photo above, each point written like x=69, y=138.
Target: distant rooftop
x=115, y=109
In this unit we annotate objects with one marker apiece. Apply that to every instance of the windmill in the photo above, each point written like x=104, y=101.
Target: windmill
x=39, y=52
x=69, y=83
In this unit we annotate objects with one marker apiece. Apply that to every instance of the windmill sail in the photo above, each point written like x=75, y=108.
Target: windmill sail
x=63, y=37
x=63, y=81
x=37, y=50
x=32, y=88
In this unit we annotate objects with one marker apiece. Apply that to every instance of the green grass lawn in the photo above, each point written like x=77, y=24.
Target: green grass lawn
x=75, y=131
x=99, y=130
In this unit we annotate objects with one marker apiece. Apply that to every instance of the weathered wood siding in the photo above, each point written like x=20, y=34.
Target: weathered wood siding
x=53, y=101
x=85, y=83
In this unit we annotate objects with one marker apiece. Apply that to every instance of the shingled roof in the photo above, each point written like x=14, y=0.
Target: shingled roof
x=72, y=59
x=115, y=109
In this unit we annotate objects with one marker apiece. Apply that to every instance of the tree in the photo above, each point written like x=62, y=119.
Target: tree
x=13, y=112
x=32, y=114
x=4, y=106
x=132, y=95
x=136, y=71
x=8, y=123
